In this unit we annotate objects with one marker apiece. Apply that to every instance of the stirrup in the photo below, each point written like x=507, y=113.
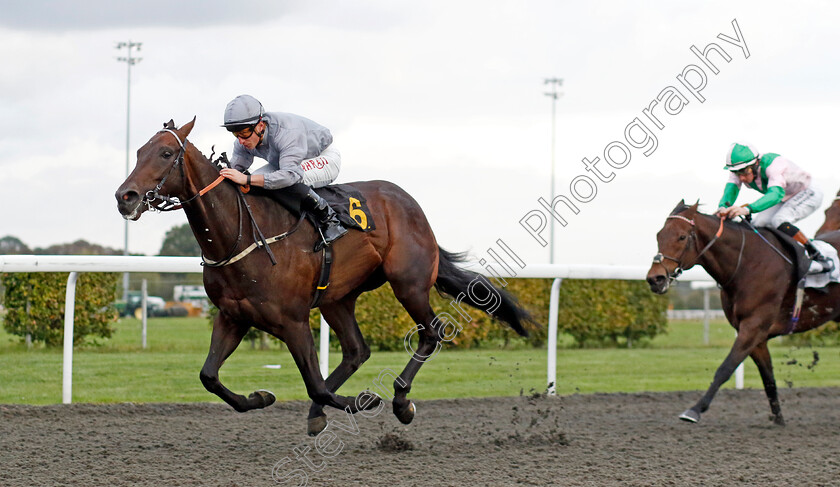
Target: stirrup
x=324, y=241
x=826, y=265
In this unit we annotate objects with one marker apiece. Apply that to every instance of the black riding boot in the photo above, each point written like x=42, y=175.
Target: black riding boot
x=330, y=228
x=814, y=254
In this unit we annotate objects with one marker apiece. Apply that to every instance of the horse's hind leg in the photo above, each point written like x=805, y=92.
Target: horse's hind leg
x=354, y=352
x=761, y=357
x=226, y=337
x=416, y=302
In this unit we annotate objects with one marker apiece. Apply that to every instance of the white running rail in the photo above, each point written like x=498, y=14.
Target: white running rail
x=75, y=264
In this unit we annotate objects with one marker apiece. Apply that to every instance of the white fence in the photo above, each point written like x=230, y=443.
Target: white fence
x=75, y=264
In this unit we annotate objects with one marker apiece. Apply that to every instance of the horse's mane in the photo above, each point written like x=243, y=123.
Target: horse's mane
x=682, y=206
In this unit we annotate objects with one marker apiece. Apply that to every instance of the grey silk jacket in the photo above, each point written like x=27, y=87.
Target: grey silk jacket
x=288, y=141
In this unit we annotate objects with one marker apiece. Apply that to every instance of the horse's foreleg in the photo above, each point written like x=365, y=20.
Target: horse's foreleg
x=748, y=338
x=354, y=352
x=225, y=338
x=761, y=357
x=302, y=347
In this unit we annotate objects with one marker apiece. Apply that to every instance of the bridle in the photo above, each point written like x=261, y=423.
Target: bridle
x=168, y=203
x=692, y=242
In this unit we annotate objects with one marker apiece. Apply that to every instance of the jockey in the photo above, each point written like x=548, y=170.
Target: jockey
x=299, y=153
x=789, y=195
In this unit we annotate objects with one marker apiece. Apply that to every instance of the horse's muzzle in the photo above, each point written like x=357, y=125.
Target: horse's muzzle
x=129, y=203
x=658, y=281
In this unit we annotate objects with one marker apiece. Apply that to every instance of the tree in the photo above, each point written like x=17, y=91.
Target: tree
x=179, y=241
x=79, y=247
x=10, y=245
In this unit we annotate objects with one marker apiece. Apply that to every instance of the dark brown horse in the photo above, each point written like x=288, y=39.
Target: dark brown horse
x=277, y=298
x=757, y=290
x=832, y=217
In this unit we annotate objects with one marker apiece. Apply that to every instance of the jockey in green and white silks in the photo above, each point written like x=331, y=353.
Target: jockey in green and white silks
x=789, y=195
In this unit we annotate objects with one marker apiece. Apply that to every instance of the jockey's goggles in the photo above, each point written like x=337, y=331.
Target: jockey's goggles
x=245, y=133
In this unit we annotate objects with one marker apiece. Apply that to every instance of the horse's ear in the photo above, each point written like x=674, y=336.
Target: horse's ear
x=694, y=207
x=169, y=125
x=185, y=129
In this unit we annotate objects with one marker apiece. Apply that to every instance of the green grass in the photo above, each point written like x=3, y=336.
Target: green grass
x=167, y=371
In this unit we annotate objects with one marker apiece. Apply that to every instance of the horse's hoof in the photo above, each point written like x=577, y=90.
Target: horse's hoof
x=367, y=400
x=778, y=420
x=316, y=425
x=263, y=398
x=406, y=414
x=690, y=415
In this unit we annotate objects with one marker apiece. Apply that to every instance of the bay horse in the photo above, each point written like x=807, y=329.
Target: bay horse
x=832, y=217
x=757, y=290
x=277, y=299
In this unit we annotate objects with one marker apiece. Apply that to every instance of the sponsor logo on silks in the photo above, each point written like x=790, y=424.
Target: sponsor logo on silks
x=317, y=163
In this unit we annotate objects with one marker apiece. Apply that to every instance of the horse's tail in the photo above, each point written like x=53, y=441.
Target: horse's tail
x=461, y=284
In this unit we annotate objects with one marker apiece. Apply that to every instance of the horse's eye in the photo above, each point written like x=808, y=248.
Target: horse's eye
x=683, y=237
x=167, y=155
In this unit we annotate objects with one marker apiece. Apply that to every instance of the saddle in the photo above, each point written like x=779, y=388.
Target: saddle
x=794, y=250
x=801, y=261
x=348, y=203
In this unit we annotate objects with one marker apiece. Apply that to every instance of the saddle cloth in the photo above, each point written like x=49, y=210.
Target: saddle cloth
x=350, y=206
x=823, y=279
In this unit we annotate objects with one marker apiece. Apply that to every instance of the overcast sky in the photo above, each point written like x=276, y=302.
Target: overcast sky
x=444, y=98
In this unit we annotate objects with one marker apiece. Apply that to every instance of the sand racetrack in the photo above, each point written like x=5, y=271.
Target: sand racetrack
x=606, y=439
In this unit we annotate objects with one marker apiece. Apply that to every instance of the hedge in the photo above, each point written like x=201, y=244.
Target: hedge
x=35, y=306
x=593, y=312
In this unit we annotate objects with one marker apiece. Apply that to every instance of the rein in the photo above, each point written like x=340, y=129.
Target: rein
x=169, y=204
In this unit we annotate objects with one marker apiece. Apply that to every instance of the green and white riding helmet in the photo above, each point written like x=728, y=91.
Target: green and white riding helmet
x=740, y=155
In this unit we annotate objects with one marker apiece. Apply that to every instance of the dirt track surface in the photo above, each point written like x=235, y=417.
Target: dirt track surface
x=592, y=440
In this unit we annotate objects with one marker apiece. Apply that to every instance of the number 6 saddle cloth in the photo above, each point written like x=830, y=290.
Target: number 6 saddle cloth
x=350, y=206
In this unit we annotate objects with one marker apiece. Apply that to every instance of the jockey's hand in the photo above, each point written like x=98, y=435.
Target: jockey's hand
x=720, y=211
x=734, y=211
x=234, y=175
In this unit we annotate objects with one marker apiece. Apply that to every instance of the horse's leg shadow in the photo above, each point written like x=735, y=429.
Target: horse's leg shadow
x=354, y=352
x=225, y=338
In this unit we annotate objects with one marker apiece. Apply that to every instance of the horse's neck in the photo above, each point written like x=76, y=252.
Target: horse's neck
x=219, y=220
x=214, y=216
x=721, y=258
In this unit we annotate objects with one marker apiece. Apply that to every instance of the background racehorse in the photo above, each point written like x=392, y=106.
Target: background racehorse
x=757, y=290
x=832, y=217
x=277, y=298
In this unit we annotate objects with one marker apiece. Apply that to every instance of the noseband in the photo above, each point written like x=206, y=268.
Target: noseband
x=692, y=241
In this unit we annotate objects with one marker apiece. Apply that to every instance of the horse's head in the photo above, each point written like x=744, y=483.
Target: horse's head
x=832, y=217
x=156, y=171
x=677, y=246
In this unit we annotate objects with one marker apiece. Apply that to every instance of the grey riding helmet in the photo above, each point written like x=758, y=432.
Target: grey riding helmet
x=242, y=112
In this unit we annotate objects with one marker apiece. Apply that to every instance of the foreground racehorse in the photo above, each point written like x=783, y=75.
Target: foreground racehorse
x=757, y=290
x=277, y=298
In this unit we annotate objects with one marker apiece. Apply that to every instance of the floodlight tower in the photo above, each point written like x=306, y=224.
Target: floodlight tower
x=555, y=83
x=130, y=61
